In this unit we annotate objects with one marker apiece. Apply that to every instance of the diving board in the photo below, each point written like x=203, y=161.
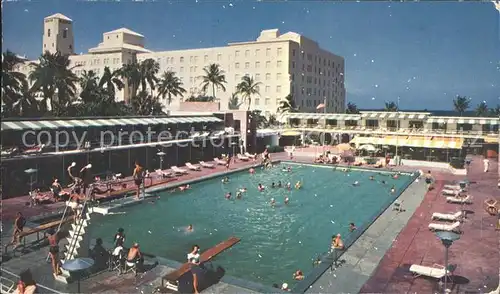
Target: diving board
x=172, y=278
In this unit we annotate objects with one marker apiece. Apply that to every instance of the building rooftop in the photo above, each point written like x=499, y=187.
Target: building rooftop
x=125, y=31
x=59, y=16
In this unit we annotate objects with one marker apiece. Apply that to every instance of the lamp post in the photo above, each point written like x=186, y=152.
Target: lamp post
x=31, y=172
x=161, y=154
x=447, y=238
x=396, y=159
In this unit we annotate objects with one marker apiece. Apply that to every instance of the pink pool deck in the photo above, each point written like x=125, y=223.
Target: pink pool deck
x=12, y=205
x=476, y=254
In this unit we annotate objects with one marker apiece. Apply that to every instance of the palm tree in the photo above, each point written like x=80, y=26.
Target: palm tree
x=111, y=81
x=351, y=108
x=482, y=109
x=89, y=86
x=234, y=103
x=215, y=77
x=146, y=104
x=248, y=87
x=391, y=106
x=272, y=120
x=26, y=105
x=12, y=80
x=149, y=68
x=287, y=105
x=170, y=85
x=495, y=111
x=51, y=75
x=131, y=75
x=461, y=104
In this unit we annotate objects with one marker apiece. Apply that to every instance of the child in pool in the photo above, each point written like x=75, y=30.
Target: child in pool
x=260, y=187
x=228, y=195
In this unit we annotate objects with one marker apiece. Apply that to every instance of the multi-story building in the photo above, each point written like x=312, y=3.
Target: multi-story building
x=284, y=64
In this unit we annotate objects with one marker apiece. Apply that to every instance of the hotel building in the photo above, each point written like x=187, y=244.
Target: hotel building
x=282, y=63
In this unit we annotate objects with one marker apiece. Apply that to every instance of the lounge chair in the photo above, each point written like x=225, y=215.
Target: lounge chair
x=177, y=170
x=252, y=156
x=193, y=167
x=491, y=207
x=447, y=216
x=452, y=187
x=219, y=161
x=459, y=200
x=242, y=157
x=163, y=174
x=451, y=192
x=435, y=271
x=206, y=165
x=455, y=227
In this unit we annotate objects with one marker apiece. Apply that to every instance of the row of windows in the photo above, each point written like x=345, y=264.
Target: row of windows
x=64, y=33
x=316, y=59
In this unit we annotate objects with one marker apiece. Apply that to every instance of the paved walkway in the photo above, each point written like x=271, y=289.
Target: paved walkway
x=476, y=254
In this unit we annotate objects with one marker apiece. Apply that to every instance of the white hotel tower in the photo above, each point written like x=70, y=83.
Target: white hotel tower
x=284, y=64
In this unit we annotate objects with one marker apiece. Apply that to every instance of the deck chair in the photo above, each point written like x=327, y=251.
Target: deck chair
x=447, y=216
x=206, y=165
x=252, y=156
x=452, y=187
x=242, y=157
x=219, y=162
x=435, y=271
x=177, y=170
x=193, y=167
x=163, y=174
x=116, y=259
x=455, y=227
x=130, y=267
x=459, y=200
x=451, y=192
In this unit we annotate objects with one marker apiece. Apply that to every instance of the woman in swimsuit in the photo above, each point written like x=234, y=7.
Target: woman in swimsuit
x=138, y=178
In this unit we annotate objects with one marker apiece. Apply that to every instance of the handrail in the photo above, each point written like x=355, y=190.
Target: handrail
x=37, y=284
x=59, y=226
x=72, y=245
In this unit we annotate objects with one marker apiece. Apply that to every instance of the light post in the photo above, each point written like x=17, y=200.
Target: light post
x=31, y=172
x=396, y=159
x=447, y=238
x=161, y=154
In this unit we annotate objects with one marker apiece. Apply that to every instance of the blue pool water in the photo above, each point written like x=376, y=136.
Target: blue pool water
x=275, y=241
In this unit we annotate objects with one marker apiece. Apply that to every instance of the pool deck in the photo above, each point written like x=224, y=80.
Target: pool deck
x=377, y=263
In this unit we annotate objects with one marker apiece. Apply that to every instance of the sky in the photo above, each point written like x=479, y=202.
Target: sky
x=424, y=53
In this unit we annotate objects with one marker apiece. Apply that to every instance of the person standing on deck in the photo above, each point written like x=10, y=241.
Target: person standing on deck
x=138, y=176
x=19, y=224
x=486, y=164
x=196, y=268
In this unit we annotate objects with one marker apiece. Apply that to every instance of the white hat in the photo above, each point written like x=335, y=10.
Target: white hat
x=89, y=165
x=73, y=164
x=284, y=286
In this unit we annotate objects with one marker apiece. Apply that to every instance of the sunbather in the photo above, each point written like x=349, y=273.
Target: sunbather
x=491, y=206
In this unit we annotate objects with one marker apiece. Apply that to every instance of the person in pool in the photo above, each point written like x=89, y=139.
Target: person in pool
x=260, y=187
x=184, y=188
x=251, y=171
x=356, y=183
x=396, y=176
x=298, y=275
x=243, y=190
x=393, y=189
x=239, y=195
x=273, y=202
x=273, y=185
x=298, y=185
x=279, y=184
x=228, y=195
x=225, y=180
x=288, y=185
x=189, y=228
x=372, y=178
x=287, y=200
x=352, y=227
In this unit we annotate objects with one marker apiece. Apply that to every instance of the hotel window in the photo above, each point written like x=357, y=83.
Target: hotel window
x=190, y=69
x=48, y=33
x=302, y=91
x=195, y=69
x=268, y=64
x=237, y=78
x=267, y=89
x=303, y=54
x=279, y=51
x=181, y=59
x=65, y=33
x=195, y=59
x=236, y=65
x=256, y=101
x=293, y=64
x=219, y=57
x=257, y=64
x=257, y=52
x=293, y=52
x=268, y=52
x=268, y=76
x=267, y=101
x=190, y=79
x=236, y=53
x=257, y=77
x=181, y=69
x=247, y=65
x=278, y=76
x=278, y=89
x=292, y=77
x=205, y=58
x=278, y=64
x=191, y=58
x=257, y=88
x=309, y=57
x=247, y=53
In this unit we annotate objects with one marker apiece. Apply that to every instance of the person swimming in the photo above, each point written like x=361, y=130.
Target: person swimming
x=273, y=185
x=239, y=195
x=228, y=195
x=298, y=185
x=356, y=183
x=372, y=178
x=287, y=200
x=260, y=187
x=273, y=202
x=251, y=171
x=383, y=182
x=393, y=189
x=396, y=176
x=279, y=184
x=184, y=188
x=225, y=180
x=288, y=185
x=243, y=190
x=189, y=228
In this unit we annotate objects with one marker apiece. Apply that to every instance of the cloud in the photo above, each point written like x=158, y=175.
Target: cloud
x=26, y=10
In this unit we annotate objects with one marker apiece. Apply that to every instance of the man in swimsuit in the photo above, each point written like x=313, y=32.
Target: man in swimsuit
x=196, y=267
x=337, y=245
x=138, y=178
x=428, y=180
x=19, y=224
x=134, y=256
x=56, y=189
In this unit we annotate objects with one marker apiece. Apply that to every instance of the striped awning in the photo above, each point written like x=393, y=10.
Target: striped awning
x=411, y=141
x=325, y=116
x=101, y=122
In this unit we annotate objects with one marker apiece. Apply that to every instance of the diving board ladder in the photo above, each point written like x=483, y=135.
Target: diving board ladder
x=78, y=241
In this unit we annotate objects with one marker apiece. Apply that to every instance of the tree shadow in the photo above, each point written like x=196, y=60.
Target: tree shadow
x=211, y=276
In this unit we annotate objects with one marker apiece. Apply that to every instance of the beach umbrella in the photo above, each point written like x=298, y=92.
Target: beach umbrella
x=78, y=264
x=343, y=147
x=368, y=147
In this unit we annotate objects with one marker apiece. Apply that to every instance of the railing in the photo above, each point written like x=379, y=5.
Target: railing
x=60, y=224
x=41, y=288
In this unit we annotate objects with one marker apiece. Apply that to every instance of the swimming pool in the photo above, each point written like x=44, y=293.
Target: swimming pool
x=277, y=240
